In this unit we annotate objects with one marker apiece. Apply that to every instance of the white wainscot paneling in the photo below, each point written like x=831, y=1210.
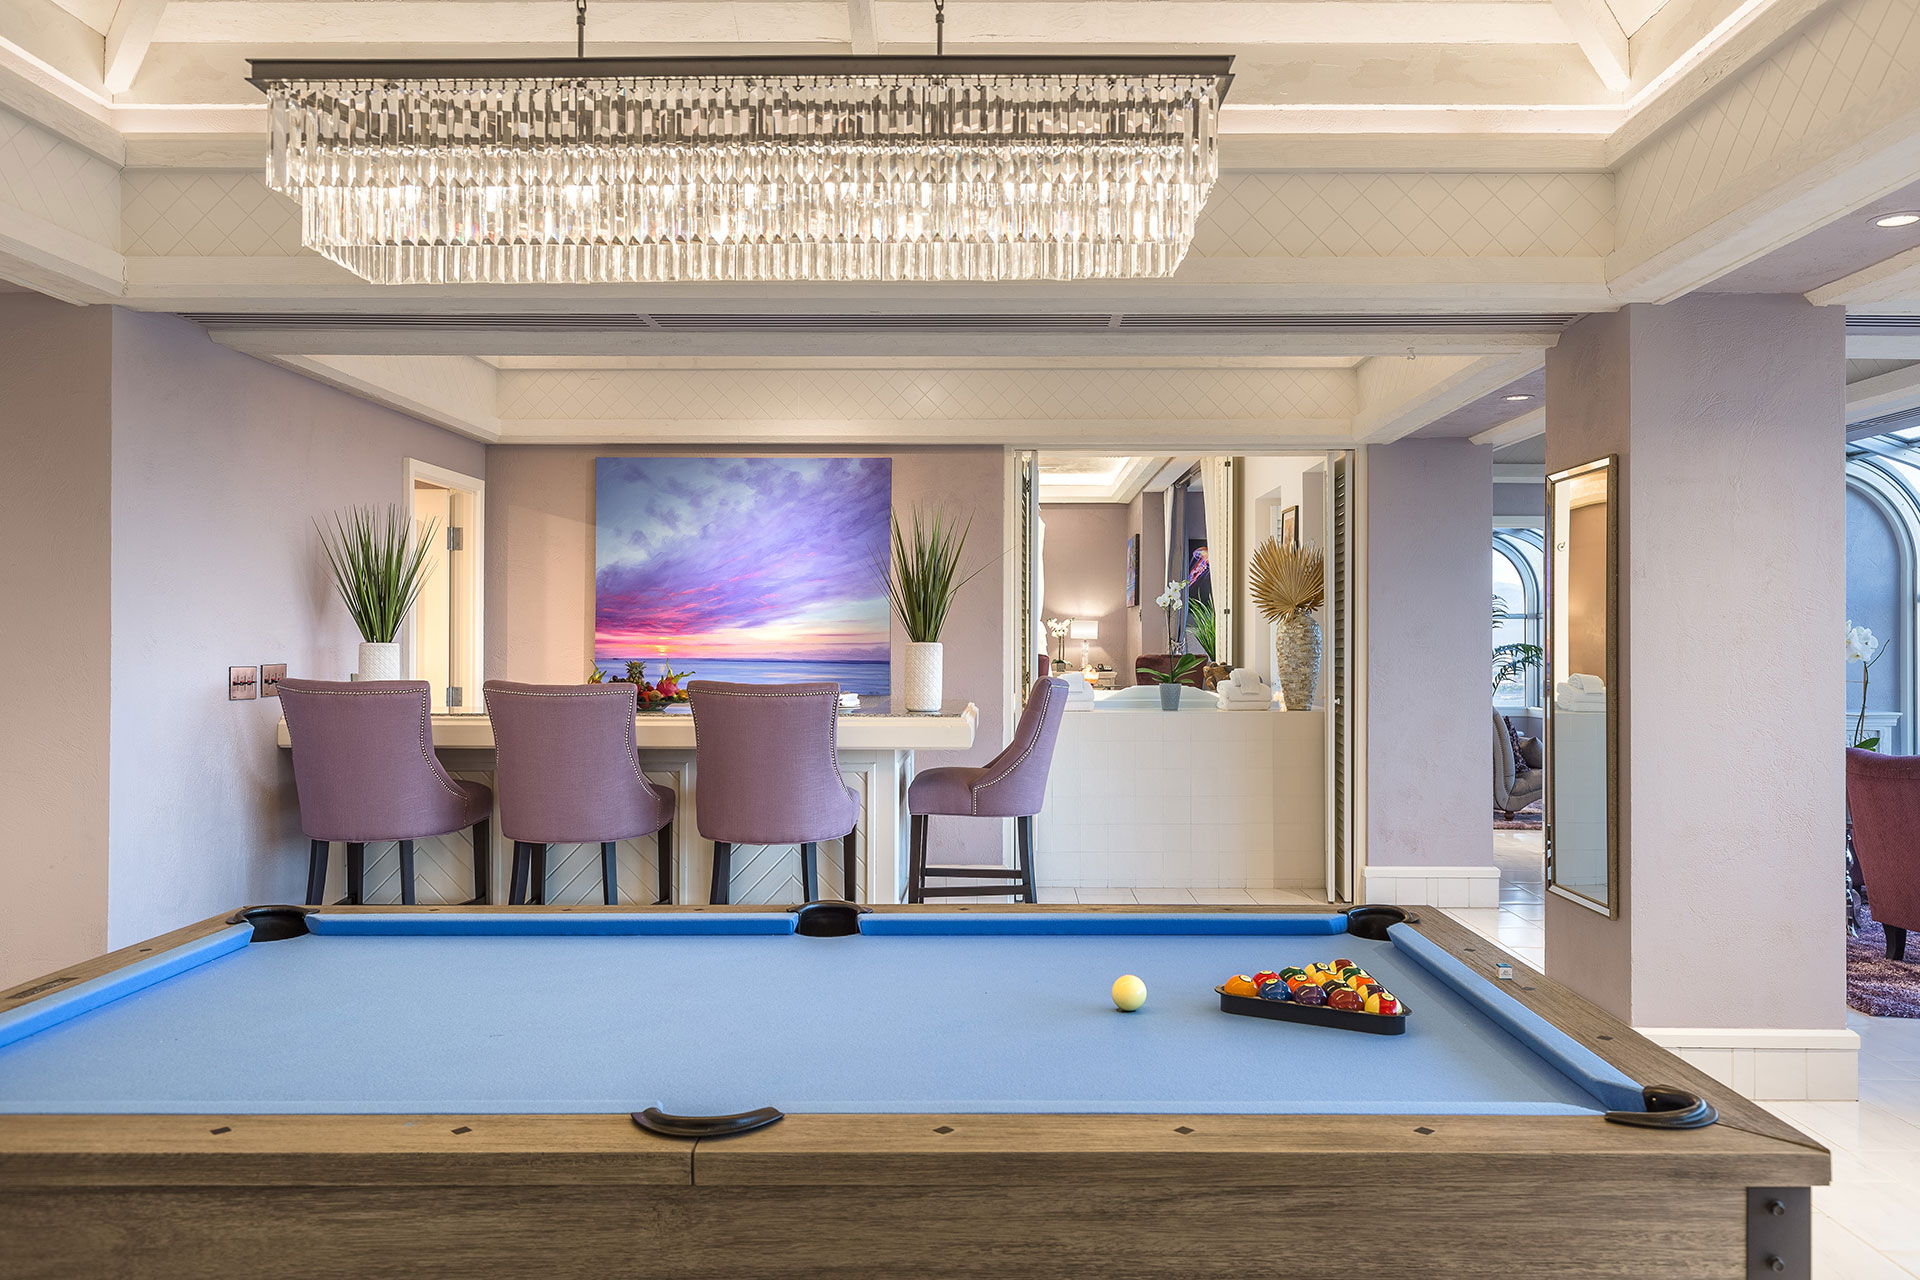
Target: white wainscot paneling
x=1185, y=799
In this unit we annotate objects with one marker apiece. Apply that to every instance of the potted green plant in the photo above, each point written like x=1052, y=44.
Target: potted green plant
x=1289, y=583
x=379, y=564
x=921, y=584
x=1170, y=680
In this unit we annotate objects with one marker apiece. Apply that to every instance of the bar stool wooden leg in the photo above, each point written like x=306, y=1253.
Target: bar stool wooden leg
x=406, y=873
x=722, y=888
x=517, y=878
x=609, y=872
x=1024, y=828
x=356, y=874
x=665, y=868
x=849, y=862
x=483, y=860
x=316, y=871
x=809, y=859
x=917, y=858
x=540, y=874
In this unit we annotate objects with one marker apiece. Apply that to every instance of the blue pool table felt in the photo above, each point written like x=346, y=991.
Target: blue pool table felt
x=926, y=1018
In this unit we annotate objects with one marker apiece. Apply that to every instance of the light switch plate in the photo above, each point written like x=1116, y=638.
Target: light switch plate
x=271, y=673
x=243, y=684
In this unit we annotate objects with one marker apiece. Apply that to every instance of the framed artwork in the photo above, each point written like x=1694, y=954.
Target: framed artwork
x=762, y=570
x=1133, y=571
x=1290, y=526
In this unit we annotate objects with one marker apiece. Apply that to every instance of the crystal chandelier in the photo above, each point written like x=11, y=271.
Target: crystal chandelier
x=625, y=170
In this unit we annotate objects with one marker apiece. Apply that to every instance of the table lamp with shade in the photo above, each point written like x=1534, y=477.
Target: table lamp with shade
x=1086, y=631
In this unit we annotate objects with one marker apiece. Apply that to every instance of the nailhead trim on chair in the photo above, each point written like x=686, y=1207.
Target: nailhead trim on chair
x=426, y=725
x=974, y=792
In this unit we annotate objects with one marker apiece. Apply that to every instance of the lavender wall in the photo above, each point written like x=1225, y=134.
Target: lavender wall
x=1086, y=576
x=1727, y=413
x=540, y=577
x=55, y=442
x=1429, y=791
x=221, y=464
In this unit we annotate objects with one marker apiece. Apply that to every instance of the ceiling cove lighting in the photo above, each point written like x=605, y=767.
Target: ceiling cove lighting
x=834, y=168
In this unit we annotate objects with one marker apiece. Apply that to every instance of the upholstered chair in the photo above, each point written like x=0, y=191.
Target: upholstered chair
x=1011, y=785
x=1883, y=799
x=1513, y=790
x=568, y=772
x=769, y=774
x=363, y=763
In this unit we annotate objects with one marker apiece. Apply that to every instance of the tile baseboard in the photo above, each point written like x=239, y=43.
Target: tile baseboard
x=1432, y=886
x=1771, y=1064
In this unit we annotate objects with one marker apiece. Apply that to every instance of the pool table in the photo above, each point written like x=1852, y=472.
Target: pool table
x=591, y=1091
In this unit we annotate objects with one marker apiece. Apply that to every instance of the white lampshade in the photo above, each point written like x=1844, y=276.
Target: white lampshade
x=1084, y=629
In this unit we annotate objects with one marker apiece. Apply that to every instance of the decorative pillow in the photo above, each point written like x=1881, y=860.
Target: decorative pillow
x=1534, y=752
x=1517, y=741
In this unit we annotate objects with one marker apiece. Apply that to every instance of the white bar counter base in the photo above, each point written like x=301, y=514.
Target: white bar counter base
x=876, y=747
x=1197, y=798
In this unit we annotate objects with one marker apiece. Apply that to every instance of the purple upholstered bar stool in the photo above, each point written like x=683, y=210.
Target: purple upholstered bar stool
x=769, y=774
x=569, y=773
x=363, y=763
x=1011, y=785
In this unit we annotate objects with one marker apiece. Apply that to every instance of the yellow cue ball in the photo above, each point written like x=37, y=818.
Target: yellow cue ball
x=1129, y=993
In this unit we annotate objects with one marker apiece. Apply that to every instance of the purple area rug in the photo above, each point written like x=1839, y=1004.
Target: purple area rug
x=1531, y=818
x=1876, y=985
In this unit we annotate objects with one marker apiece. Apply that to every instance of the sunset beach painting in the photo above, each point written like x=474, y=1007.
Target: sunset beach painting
x=750, y=569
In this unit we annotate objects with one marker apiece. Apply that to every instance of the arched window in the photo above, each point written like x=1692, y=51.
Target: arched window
x=1519, y=559
x=1883, y=532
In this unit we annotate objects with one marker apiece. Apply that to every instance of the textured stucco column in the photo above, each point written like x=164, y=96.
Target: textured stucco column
x=1429, y=517
x=1727, y=414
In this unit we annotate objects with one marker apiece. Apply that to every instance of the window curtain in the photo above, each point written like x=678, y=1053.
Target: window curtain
x=1174, y=514
x=1223, y=553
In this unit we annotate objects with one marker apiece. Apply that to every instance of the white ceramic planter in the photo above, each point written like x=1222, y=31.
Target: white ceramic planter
x=380, y=662
x=923, y=677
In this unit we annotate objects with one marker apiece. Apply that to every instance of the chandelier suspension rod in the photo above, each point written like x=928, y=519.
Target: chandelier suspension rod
x=939, y=27
x=580, y=28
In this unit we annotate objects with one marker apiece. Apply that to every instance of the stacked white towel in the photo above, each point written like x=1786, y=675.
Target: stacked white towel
x=1580, y=692
x=851, y=701
x=1244, y=690
x=1079, y=692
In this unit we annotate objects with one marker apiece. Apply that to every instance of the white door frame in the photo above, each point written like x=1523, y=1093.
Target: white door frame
x=475, y=547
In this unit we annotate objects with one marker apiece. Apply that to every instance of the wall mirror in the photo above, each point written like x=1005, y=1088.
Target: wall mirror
x=1583, y=663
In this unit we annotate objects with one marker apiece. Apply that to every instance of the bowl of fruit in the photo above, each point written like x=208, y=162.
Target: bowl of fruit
x=652, y=695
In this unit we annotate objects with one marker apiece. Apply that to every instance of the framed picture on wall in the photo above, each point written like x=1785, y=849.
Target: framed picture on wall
x=1290, y=526
x=1133, y=571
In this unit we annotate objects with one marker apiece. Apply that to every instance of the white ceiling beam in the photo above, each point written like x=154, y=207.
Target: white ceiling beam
x=1896, y=277
x=1513, y=431
x=1599, y=36
x=1162, y=436
x=1398, y=396
x=1519, y=473
x=860, y=26
x=464, y=402
x=1886, y=346
x=1886, y=393
x=128, y=39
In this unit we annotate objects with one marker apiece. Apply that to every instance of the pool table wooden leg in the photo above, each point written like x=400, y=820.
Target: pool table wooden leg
x=718, y=892
x=316, y=871
x=406, y=873
x=664, y=857
x=849, y=860
x=609, y=872
x=809, y=865
x=356, y=874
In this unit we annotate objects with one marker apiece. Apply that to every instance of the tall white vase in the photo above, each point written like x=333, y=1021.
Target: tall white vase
x=380, y=662
x=923, y=676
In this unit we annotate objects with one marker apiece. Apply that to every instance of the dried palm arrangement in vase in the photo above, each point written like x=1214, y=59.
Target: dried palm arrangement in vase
x=1289, y=583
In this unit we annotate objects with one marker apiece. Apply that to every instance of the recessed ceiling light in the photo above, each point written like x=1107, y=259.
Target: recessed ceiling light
x=1516, y=399
x=1897, y=220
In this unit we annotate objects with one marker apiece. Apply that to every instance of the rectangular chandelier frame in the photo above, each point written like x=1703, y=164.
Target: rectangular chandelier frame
x=834, y=168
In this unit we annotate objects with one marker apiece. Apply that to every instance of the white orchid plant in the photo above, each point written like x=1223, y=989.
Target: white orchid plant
x=1058, y=629
x=1864, y=648
x=1172, y=602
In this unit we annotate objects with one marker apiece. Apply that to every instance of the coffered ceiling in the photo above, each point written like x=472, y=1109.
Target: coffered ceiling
x=1416, y=195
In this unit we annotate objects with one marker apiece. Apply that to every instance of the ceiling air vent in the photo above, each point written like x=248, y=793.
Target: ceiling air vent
x=719, y=322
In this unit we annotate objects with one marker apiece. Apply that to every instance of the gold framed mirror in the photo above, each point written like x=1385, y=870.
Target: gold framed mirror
x=1583, y=695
